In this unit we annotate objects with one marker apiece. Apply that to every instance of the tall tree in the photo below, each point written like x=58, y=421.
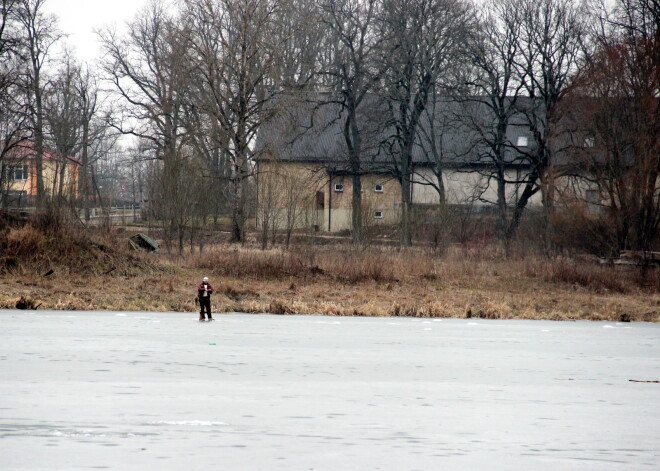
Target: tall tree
x=497, y=88
x=424, y=38
x=552, y=44
x=87, y=91
x=63, y=119
x=615, y=107
x=303, y=45
x=40, y=32
x=235, y=46
x=353, y=72
x=148, y=69
x=13, y=112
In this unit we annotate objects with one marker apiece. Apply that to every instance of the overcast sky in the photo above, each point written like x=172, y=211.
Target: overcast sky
x=79, y=19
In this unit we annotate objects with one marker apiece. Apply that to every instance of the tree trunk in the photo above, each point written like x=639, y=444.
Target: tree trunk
x=83, y=180
x=501, y=207
x=236, y=210
x=406, y=203
x=356, y=206
x=39, y=144
x=521, y=204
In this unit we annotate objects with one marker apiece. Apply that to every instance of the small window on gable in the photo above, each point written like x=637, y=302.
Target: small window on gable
x=378, y=214
x=523, y=141
x=378, y=188
x=339, y=187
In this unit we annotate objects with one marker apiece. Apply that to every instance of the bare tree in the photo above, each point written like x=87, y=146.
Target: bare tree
x=424, y=39
x=149, y=72
x=63, y=120
x=303, y=46
x=551, y=47
x=40, y=33
x=353, y=72
x=234, y=50
x=497, y=89
x=87, y=91
x=614, y=105
x=13, y=106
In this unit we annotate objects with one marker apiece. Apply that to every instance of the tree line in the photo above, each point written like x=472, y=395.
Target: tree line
x=194, y=81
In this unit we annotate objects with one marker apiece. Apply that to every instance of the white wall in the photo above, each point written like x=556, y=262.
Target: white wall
x=465, y=188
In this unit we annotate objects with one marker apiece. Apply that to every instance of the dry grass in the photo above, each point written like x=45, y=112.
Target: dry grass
x=476, y=282
x=32, y=249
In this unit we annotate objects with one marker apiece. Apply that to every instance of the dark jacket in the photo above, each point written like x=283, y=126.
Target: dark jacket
x=201, y=291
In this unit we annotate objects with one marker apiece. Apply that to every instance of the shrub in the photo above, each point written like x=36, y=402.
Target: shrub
x=589, y=276
x=24, y=241
x=575, y=230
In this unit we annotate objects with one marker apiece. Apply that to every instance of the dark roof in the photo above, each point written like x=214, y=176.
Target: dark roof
x=312, y=131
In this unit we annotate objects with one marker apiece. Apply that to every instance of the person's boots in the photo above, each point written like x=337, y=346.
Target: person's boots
x=210, y=318
x=201, y=318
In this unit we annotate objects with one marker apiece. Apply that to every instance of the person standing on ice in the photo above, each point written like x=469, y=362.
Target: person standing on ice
x=204, y=290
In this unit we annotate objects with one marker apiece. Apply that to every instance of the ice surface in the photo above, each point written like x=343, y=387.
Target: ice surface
x=90, y=390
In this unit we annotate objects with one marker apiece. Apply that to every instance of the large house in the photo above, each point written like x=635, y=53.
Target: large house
x=304, y=175
x=19, y=175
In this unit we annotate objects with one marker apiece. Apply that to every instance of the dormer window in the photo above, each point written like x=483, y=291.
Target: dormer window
x=378, y=214
x=378, y=188
x=339, y=187
x=523, y=141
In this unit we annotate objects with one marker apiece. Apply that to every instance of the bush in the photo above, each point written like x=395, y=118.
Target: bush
x=575, y=230
x=587, y=275
x=41, y=246
x=25, y=241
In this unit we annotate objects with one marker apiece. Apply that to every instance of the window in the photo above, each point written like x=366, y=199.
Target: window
x=339, y=187
x=589, y=142
x=523, y=141
x=18, y=172
x=378, y=214
x=378, y=188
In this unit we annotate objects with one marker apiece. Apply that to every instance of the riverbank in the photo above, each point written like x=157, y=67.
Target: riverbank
x=341, y=281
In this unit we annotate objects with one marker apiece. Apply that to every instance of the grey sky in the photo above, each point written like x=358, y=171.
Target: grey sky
x=79, y=18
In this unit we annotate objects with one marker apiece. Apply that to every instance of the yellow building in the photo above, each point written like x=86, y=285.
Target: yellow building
x=19, y=175
x=309, y=195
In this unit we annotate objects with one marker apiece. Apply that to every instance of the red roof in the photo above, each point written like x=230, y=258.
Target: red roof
x=26, y=150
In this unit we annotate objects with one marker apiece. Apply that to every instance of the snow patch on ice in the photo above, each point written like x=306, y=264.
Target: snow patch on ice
x=194, y=423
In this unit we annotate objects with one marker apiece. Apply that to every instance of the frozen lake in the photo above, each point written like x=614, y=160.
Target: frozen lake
x=138, y=391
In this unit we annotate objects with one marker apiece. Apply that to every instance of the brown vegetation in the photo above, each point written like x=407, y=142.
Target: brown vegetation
x=46, y=245
x=94, y=271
